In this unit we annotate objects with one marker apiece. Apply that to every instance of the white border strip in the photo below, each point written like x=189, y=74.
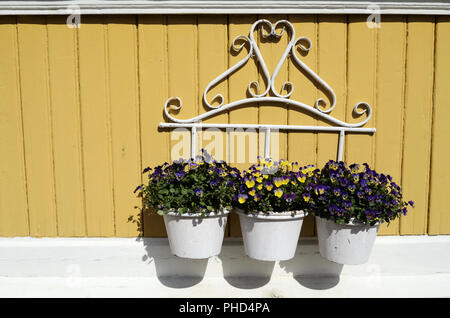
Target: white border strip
x=151, y=257
x=222, y=7
x=399, y=266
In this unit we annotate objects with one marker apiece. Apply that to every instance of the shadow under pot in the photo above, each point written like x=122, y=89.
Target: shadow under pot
x=349, y=244
x=271, y=236
x=192, y=235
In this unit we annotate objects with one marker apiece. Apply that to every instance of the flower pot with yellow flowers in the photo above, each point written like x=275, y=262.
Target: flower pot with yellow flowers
x=271, y=203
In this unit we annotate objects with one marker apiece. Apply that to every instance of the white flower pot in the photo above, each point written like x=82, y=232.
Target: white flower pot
x=193, y=236
x=349, y=244
x=271, y=237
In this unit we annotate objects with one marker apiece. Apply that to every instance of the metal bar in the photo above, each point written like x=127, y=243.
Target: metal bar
x=262, y=126
x=359, y=109
x=267, y=144
x=193, y=141
x=341, y=145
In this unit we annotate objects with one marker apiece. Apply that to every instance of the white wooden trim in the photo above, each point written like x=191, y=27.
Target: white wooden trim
x=56, y=7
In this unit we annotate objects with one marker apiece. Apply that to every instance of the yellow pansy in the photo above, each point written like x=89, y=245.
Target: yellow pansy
x=306, y=197
x=278, y=182
x=278, y=193
x=250, y=183
x=252, y=192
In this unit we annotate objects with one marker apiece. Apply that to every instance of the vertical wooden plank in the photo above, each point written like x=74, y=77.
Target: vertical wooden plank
x=95, y=114
x=362, y=59
x=153, y=92
x=123, y=74
x=238, y=82
x=63, y=64
x=272, y=49
x=417, y=126
x=213, y=61
x=439, y=218
x=332, y=68
x=13, y=191
x=37, y=124
x=390, y=103
x=302, y=145
x=183, y=73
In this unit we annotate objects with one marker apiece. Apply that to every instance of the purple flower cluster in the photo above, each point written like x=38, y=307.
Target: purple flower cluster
x=344, y=193
x=196, y=185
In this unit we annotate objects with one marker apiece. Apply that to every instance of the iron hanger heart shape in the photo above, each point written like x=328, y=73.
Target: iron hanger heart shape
x=254, y=87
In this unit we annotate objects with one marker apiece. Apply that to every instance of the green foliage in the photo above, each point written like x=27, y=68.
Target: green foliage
x=200, y=185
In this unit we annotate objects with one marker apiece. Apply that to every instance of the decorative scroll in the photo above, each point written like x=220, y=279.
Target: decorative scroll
x=320, y=107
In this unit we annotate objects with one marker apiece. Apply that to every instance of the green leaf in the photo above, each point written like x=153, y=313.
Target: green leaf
x=160, y=212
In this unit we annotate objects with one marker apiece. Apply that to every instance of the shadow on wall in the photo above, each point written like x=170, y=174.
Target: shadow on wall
x=308, y=267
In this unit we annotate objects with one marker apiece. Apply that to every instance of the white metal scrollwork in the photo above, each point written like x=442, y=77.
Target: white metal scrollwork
x=253, y=89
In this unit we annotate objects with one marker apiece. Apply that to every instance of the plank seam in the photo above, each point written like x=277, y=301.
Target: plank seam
x=109, y=120
x=50, y=117
x=433, y=92
x=22, y=128
x=405, y=85
x=138, y=118
x=80, y=125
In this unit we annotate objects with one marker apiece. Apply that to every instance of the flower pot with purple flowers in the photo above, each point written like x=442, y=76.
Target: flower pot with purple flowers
x=350, y=203
x=194, y=196
x=270, y=203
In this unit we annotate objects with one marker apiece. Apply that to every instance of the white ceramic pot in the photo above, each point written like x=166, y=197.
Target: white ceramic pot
x=349, y=244
x=273, y=236
x=193, y=236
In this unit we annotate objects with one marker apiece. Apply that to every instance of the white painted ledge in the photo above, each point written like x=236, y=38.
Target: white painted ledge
x=65, y=7
x=408, y=266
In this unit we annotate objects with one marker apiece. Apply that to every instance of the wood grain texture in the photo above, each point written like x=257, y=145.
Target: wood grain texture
x=153, y=91
x=417, y=125
x=124, y=99
x=13, y=185
x=361, y=86
x=332, y=68
x=37, y=124
x=96, y=126
x=64, y=93
x=80, y=110
x=439, y=218
x=390, y=103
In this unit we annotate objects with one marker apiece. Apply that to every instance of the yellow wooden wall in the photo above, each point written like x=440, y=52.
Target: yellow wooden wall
x=79, y=110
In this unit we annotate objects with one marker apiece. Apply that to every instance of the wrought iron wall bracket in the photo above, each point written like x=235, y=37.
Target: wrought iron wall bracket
x=319, y=109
